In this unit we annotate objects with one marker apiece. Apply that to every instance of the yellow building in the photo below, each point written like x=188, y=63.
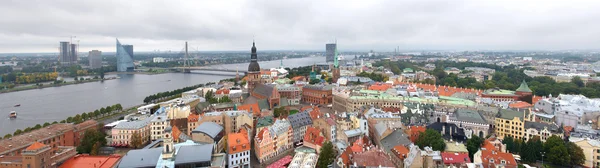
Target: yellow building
x=591, y=150
x=510, y=123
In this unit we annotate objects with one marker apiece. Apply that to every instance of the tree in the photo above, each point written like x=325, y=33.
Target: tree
x=103, y=111
x=101, y=73
x=431, y=138
x=278, y=112
x=55, y=122
x=327, y=155
x=509, y=142
x=46, y=124
x=95, y=149
x=577, y=81
x=7, y=136
x=576, y=154
x=91, y=138
x=17, y=132
x=314, y=81
x=556, y=151
x=473, y=145
x=531, y=150
x=224, y=99
x=118, y=107
x=136, y=140
x=84, y=116
x=97, y=113
x=37, y=126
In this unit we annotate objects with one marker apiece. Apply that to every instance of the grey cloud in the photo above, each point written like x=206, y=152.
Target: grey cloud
x=38, y=25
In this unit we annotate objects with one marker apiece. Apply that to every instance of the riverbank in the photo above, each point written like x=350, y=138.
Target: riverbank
x=50, y=84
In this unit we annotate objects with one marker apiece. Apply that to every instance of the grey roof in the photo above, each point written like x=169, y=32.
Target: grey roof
x=380, y=128
x=194, y=154
x=209, y=128
x=395, y=138
x=141, y=158
x=540, y=126
x=319, y=87
x=264, y=89
x=283, y=102
x=469, y=116
x=300, y=119
x=279, y=127
x=134, y=124
x=263, y=104
x=510, y=114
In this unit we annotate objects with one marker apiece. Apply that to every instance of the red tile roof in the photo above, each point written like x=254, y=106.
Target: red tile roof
x=261, y=133
x=519, y=104
x=222, y=91
x=85, y=160
x=373, y=157
x=176, y=132
x=455, y=158
x=313, y=136
x=535, y=99
x=253, y=108
x=193, y=117
x=35, y=146
x=299, y=78
x=492, y=157
x=316, y=113
x=380, y=86
x=400, y=151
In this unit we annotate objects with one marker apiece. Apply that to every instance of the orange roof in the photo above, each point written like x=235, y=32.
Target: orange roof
x=261, y=133
x=568, y=130
x=250, y=108
x=488, y=155
x=380, y=86
x=237, y=142
x=222, y=91
x=414, y=129
x=400, y=151
x=176, y=132
x=313, y=135
x=193, y=117
x=298, y=78
x=519, y=104
x=35, y=146
x=315, y=113
x=85, y=160
x=487, y=145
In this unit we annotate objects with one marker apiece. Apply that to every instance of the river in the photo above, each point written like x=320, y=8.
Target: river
x=57, y=103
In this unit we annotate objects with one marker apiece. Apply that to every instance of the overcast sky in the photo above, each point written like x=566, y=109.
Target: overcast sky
x=38, y=26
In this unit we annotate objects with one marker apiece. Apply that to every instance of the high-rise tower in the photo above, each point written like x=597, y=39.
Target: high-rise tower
x=64, y=55
x=253, y=69
x=124, y=57
x=330, y=51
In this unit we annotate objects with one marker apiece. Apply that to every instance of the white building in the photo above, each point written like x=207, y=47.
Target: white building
x=158, y=59
x=146, y=109
x=158, y=124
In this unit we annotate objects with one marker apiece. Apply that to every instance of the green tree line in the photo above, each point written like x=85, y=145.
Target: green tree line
x=555, y=150
x=163, y=95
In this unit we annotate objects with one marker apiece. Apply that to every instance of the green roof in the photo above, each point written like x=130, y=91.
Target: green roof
x=499, y=92
x=408, y=70
x=510, y=114
x=523, y=87
x=264, y=121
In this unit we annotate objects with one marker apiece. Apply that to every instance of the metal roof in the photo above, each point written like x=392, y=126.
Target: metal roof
x=209, y=128
x=194, y=154
x=300, y=119
x=141, y=158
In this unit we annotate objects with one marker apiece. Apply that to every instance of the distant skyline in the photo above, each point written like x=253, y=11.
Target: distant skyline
x=382, y=25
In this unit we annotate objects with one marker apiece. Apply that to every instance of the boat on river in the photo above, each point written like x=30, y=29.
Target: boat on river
x=12, y=115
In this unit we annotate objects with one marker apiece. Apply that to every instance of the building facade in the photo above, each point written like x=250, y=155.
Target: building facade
x=124, y=57
x=238, y=150
x=38, y=155
x=291, y=92
x=299, y=123
x=317, y=94
x=95, y=59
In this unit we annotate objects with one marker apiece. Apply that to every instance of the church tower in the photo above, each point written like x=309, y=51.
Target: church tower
x=253, y=70
x=168, y=150
x=336, y=67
